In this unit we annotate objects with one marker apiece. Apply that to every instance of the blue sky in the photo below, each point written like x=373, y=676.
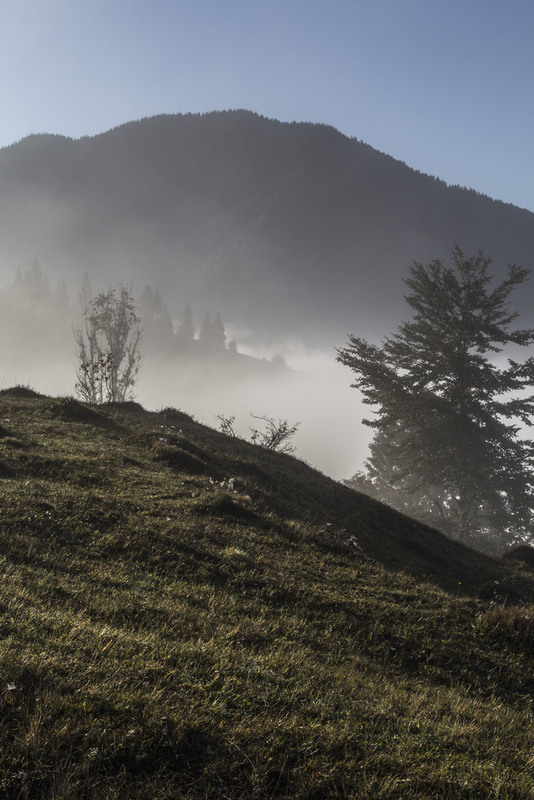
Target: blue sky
x=445, y=86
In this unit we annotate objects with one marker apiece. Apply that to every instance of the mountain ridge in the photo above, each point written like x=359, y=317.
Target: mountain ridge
x=328, y=127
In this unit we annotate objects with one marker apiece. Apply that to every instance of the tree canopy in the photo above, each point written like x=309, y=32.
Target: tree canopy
x=450, y=407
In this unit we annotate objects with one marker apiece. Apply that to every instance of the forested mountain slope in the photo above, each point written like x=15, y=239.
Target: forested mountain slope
x=285, y=228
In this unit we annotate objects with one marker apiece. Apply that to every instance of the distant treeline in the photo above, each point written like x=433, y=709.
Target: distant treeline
x=35, y=315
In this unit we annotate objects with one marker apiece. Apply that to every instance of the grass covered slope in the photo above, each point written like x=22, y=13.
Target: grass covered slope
x=184, y=615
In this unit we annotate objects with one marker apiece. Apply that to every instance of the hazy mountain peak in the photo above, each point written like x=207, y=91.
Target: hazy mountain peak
x=291, y=229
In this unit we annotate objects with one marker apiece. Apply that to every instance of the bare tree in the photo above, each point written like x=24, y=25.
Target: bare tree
x=108, y=346
x=275, y=436
x=226, y=425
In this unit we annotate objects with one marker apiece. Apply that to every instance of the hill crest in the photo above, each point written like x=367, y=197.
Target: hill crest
x=185, y=615
x=274, y=488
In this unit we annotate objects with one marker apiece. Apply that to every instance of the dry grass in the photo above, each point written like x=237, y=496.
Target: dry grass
x=166, y=633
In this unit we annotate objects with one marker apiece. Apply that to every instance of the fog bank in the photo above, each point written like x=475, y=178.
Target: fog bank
x=314, y=391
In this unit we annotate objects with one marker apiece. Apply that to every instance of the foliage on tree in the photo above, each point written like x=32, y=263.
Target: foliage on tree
x=61, y=295
x=204, y=334
x=86, y=292
x=186, y=328
x=33, y=285
x=156, y=320
x=36, y=282
x=218, y=334
x=448, y=445
x=108, y=347
x=212, y=335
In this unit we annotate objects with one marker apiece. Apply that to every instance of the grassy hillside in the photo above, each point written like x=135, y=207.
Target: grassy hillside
x=184, y=615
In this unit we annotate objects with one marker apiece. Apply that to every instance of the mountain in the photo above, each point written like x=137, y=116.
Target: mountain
x=184, y=614
x=289, y=230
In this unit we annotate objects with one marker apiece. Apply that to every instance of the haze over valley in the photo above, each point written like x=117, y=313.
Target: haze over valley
x=293, y=233
x=289, y=230
x=184, y=365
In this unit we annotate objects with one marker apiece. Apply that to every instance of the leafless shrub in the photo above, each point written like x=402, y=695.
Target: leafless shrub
x=108, y=347
x=275, y=435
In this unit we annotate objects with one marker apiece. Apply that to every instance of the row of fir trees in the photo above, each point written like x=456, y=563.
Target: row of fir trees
x=30, y=295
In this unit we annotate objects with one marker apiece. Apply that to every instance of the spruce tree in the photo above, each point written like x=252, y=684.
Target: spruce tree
x=156, y=320
x=205, y=333
x=218, y=333
x=186, y=328
x=212, y=334
x=449, y=446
